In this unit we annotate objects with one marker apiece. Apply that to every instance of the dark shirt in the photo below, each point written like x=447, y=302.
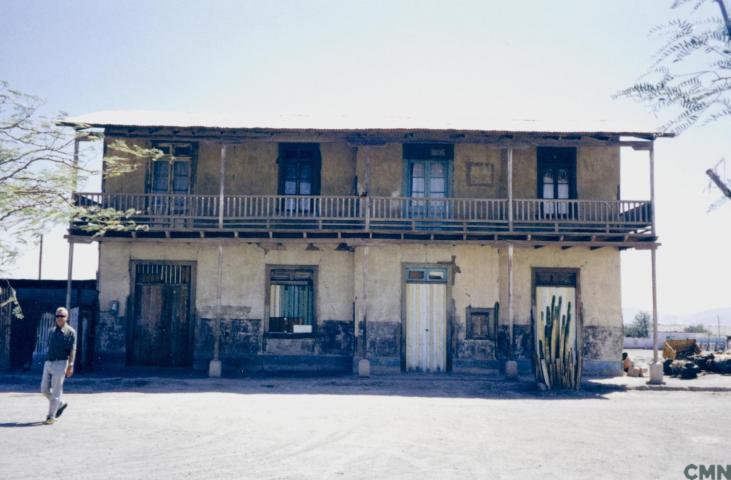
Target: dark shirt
x=60, y=343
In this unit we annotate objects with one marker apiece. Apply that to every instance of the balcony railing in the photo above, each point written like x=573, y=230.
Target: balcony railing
x=376, y=214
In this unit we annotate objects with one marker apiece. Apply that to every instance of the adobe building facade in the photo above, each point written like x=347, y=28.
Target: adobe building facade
x=308, y=250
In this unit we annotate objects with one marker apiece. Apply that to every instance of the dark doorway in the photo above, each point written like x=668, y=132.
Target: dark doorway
x=161, y=334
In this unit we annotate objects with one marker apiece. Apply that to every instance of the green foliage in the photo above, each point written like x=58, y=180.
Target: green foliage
x=8, y=297
x=556, y=357
x=699, y=328
x=640, y=326
x=690, y=77
x=38, y=173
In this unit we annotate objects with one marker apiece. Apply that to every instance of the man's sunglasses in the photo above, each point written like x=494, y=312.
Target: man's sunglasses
x=61, y=316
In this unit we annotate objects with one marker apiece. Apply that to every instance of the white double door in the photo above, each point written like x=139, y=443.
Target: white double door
x=426, y=327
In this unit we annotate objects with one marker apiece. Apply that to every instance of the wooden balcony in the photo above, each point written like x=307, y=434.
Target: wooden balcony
x=399, y=218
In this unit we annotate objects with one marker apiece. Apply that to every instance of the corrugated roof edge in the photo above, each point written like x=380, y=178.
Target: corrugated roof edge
x=151, y=119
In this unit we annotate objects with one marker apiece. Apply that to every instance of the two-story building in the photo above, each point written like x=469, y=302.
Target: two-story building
x=307, y=247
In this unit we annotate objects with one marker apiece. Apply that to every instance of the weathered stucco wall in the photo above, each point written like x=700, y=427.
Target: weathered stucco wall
x=338, y=169
x=244, y=280
x=386, y=169
x=600, y=290
x=130, y=182
x=479, y=172
x=475, y=274
x=244, y=275
x=479, y=280
x=597, y=173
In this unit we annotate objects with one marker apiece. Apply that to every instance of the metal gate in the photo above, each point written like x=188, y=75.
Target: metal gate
x=426, y=319
x=161, y=332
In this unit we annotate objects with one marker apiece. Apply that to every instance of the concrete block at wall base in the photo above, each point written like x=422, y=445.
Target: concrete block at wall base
x=602, y=368
x=364, y=368
x=214, y=368
x=511, y=370
x=656, y=374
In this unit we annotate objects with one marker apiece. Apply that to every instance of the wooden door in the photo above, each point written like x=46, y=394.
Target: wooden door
x=426, y=327
x=161, y=331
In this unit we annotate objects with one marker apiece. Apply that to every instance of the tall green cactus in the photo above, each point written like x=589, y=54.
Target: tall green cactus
x=556, y=354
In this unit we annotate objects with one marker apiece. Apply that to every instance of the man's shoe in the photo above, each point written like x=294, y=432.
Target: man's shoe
x=50, y=421
x=61, y=409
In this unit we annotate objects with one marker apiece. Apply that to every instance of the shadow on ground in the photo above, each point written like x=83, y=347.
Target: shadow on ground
x=406, y=385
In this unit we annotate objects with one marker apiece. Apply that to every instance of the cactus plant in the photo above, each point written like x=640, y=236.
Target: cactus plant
x=556, y=357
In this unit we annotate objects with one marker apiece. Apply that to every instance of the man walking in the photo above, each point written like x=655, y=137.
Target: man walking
x=59, y=364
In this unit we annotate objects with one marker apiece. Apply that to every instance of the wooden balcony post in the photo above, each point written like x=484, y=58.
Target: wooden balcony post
x=510, y=189
x=652, y=185
x=367, y=191
x=511, y=366
x=656, y=369
x=221, y=186
x=510, y=298
x=653, y=252
x=214, y=367
x=74, y=186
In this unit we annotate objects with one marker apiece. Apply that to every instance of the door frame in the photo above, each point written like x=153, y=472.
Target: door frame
x=131, y=319
x=579, y=307
x=449, y=303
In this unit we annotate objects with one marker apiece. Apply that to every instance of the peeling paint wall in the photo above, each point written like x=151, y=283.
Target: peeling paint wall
x=130, y=182
x=600, y=289
x=478, y=171
x=338, y=169
x=244, y=279
x=475, y=273
x=386, y=169
x=479, y=276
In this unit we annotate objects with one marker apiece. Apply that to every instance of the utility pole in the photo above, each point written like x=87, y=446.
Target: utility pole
x=40, y=257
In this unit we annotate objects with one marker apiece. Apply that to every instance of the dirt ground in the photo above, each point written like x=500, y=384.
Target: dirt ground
x=403, y=427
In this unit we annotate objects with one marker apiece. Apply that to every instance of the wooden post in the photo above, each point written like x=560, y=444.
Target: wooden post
x=652, y=184
x=40, y=258
x=219, y=295
x=654, y=305
x=69, y=276
x=221, y=186
x=510, y=300
x=510, y=190
x=74, y=185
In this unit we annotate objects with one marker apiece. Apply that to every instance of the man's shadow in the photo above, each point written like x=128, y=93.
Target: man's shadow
x=20, y=424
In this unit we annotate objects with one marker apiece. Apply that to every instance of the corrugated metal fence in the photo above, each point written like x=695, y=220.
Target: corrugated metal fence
x=45, y=324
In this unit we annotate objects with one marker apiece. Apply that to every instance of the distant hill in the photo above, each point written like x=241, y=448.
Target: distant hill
x=707, y=317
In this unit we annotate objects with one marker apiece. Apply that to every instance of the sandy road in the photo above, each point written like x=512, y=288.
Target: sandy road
x=305, y=428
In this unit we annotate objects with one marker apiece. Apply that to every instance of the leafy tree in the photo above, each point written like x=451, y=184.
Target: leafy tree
x=640, y=326
x=690, y=77
x=38, y=172
x=699, y=328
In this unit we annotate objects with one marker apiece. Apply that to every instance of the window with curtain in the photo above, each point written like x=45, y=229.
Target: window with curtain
x=171, y=174
x=291, y=300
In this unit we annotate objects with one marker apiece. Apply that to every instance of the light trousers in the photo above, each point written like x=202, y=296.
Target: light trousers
x=54, y=373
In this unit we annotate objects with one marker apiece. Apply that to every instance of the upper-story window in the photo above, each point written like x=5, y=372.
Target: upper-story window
x=427, y=169
x=299, y=169
x=556, y=177
x=173, y=171
x=427, y=176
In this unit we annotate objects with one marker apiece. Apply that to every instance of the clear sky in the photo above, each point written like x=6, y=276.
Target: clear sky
x=557, y=60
